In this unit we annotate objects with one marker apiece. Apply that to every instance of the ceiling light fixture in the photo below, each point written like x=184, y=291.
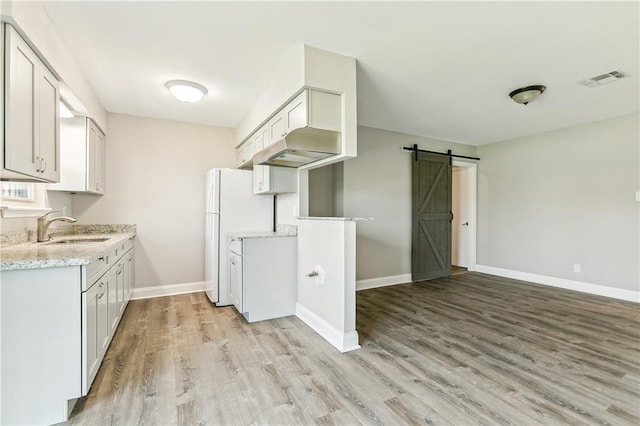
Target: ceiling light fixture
x=524, y=95
x=186, y=91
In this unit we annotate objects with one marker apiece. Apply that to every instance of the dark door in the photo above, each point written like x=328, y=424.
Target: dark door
x=431, y=221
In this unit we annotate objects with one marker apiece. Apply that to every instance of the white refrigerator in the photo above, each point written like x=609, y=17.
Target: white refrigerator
x=231, y=206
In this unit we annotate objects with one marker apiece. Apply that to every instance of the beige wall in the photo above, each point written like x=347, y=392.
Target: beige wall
x=549, y=201
x=377, y=184
x=155, y=178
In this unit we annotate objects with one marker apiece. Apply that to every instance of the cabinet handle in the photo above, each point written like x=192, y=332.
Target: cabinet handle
x=38, y=164
x=45, y=165
x=103, y=291
x=233, y=261
x=101, y=258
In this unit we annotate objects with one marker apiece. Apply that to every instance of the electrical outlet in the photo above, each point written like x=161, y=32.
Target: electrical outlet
x=576, y=268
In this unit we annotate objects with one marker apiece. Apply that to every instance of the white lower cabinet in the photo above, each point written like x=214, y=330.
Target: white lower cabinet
x=112, y=298
x=262, y=276
x=235, y=280
x=96, y=321
x=67, y=317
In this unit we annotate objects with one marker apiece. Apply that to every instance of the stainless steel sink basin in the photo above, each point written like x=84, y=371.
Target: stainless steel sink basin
x=79, y=240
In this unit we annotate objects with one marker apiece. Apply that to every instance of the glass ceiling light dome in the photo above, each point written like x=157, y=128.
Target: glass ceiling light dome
x=524, y=95
x=186, y=91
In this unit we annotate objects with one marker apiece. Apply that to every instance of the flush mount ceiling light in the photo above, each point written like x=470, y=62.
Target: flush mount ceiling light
x=524, y=95
x=186, y=91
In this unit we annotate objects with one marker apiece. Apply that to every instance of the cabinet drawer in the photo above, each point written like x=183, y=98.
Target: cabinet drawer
x=100, y=263
x=122, y=247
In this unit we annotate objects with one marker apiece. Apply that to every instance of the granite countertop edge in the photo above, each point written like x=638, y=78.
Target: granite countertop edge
x=32, y=255
x=331, y=218
x=244, y=235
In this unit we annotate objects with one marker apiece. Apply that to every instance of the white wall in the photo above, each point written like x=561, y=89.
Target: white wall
x=377, y=184
x=155, y=178
x=327, y=303
x=549, y=201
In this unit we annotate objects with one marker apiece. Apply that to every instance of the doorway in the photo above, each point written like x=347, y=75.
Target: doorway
x=463, y=206
x=433, y=219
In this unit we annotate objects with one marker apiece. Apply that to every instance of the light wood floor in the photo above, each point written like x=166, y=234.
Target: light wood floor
x=466, y=350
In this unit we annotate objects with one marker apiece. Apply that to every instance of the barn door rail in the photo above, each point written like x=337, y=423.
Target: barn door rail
x=449, y=154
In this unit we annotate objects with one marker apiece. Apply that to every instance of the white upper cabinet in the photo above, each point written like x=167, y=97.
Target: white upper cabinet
x=31, y=139
x=310, y=108
x=244, y=153
x=274, y=180
x=82, y=146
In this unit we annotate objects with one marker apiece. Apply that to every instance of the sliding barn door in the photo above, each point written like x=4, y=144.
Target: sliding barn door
x=431, y=221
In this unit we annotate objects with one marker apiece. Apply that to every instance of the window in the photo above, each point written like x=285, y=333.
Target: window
x=17, y=191
x=21, y=199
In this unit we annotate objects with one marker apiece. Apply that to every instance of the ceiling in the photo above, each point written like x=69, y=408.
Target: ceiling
x=435, y=69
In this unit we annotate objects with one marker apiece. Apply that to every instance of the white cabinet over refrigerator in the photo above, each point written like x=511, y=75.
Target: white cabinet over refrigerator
x=230, y=206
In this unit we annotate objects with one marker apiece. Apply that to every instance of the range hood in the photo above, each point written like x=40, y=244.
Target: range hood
x=300, y=147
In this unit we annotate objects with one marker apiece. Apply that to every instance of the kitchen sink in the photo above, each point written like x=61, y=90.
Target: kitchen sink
x=78, y=240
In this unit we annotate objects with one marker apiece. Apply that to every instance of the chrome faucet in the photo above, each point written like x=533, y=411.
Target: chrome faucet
x=43, y=224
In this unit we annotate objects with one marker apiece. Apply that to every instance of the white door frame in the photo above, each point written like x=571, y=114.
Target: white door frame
x=472, y=203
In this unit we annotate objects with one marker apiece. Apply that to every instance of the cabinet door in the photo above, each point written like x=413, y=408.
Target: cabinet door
x=244, y=153
x=104, y=329
x=295, y=113
x=277, y=127
x=99, y=163
x=260, y=185
x=128, y=276
x=92, y=334
x=48, y=125
x=257, y=142
x=264, y=136
x=92, y=147
x=21, y=144
x=235, y=280
x=121, y=285
x=112, y=297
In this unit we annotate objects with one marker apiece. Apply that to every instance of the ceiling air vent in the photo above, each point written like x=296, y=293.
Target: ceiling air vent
x=602, y=79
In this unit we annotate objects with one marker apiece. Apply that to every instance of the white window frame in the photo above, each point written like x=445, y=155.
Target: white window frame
x=33, y=206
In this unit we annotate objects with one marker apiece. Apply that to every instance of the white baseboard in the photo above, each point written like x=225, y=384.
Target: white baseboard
x=600, y=290
x=383, y=281
x=344, y=342
x=167, y=290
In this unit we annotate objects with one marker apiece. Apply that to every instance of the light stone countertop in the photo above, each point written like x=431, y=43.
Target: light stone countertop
x=34, y=255
x=342, y=219
x=243, y=235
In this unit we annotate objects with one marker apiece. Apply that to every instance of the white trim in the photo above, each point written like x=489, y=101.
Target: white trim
x=472, y=205
x=383, y=281
x=167, y=290
x=344, y=342
x=600, y=290
x=10, y=212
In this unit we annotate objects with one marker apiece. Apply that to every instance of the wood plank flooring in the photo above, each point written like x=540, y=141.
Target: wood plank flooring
x=471, y=349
